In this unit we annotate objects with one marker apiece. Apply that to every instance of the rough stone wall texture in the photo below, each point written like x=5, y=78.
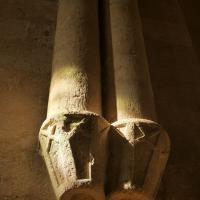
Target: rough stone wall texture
x=26, y=41
x=192, y=18
x=174, y=68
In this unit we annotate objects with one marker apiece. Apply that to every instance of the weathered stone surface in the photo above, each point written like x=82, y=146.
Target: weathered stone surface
x=174, y=68
x=134, y=96
x=24, y=71
x=25, y=65
x=139, y=159
x=138, y=154
x=75, y=154
x=76, y=75
x=74, y=149
x=136, y=195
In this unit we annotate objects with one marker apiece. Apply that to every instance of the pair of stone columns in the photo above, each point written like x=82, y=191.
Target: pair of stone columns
x=87, y=157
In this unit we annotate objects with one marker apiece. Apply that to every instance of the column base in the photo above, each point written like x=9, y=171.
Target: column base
x=84, y=194
x=129, y=195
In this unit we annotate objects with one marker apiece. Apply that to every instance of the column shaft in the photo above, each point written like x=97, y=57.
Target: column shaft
x=132, y=80
x=76, y=84
x=73, y=141
x=138, y=154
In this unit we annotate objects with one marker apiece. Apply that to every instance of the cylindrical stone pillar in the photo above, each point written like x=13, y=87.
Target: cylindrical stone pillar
x=76, y=82
x=73, y=137
x=139, y=152
x=132, y=80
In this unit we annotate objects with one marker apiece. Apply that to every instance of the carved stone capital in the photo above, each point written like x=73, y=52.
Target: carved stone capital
x=139, y=150
x=74, y=149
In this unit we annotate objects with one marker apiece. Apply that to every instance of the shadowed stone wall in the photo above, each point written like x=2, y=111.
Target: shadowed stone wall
x=26, y=43
x=175, y=71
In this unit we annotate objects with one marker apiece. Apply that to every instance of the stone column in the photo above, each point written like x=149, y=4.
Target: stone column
x=132, y=80
x=73, y=137
x=76, y=82
x=139, y=153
